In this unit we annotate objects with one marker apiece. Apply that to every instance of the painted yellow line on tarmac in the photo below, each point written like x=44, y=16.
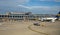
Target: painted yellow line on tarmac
x=37, y=31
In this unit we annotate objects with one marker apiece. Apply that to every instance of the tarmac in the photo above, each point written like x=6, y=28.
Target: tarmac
x=27, y=28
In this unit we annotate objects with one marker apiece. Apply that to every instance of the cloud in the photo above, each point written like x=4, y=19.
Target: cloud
x=51, y=0
x=15, y=1
x=46, y=0
x=22, y=1
x=12, y=3
x=45, y=9
x=24, y=6
x=56, y=8
x=57, y=0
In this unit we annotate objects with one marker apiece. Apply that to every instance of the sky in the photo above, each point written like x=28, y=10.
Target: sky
x=34, y=6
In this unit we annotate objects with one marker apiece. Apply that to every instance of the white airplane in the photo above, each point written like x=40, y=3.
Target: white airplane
x=51, y=18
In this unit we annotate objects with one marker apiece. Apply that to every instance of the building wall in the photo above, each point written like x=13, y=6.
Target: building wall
x=23, y=16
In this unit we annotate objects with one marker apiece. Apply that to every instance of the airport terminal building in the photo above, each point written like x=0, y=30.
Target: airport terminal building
x=22, y=16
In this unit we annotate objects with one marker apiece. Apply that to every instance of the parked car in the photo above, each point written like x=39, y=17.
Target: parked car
x=37, y=24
